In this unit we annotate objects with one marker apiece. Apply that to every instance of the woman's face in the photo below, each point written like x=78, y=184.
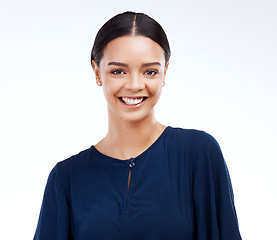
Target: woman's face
x=132, y=72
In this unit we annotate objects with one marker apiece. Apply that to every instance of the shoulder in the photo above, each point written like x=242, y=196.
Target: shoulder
x=200, y=146
x=77, y=158
x=196, y=138
x=63, y=168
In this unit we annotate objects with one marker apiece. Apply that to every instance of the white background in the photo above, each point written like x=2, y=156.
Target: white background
x=222, y=79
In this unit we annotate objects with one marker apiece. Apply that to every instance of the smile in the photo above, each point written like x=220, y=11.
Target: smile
x=132, y=101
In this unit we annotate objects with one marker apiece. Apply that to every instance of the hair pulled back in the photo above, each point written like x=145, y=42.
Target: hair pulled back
x=129, y=24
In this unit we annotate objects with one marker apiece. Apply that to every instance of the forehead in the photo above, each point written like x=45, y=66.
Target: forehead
x=133, y=49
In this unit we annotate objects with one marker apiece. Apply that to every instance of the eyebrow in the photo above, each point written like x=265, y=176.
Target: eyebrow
x=118, y=64
x=151, y=64
x=126, y=65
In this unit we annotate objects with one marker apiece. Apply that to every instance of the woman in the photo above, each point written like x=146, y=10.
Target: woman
x=143, y=180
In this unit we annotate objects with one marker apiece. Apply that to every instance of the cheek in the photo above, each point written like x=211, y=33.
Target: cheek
x=108, y=90
x=110, y=87
x=155, y=88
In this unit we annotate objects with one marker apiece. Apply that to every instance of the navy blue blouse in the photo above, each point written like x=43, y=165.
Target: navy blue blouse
x=179, y=189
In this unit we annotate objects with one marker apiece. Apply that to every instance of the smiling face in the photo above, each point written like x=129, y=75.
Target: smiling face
x=132, y=72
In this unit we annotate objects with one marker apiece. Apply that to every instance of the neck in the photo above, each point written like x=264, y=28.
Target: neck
x=130, y=138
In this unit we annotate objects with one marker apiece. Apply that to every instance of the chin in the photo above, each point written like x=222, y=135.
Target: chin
x=136, y=117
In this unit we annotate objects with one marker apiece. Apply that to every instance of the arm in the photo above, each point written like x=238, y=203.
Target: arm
x=213, y=195
x=53, y=221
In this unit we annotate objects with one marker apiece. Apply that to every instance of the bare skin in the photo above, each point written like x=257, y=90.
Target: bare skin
x=129, y=141
x=132, y=68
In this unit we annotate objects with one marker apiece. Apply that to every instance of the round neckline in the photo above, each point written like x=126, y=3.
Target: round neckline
x=138, y=156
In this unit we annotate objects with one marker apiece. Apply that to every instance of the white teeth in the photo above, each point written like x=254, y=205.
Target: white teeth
x=132, y=101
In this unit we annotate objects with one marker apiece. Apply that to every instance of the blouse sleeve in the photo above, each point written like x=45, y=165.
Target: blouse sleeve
x=213, y=195
x=53, y=220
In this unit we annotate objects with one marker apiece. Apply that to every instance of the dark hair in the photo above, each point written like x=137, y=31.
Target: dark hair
x=129, y=23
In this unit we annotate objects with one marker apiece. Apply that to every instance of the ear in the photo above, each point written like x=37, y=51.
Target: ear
x=165, y=70
x=97, y=73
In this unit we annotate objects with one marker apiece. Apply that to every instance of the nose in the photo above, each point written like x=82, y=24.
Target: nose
x=134, y=83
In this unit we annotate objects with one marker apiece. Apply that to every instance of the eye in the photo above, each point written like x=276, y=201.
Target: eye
x=151, y=72
x=118, y=72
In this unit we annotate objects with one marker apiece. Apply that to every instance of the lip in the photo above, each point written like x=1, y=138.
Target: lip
x=139, y=96
x=136, y=106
